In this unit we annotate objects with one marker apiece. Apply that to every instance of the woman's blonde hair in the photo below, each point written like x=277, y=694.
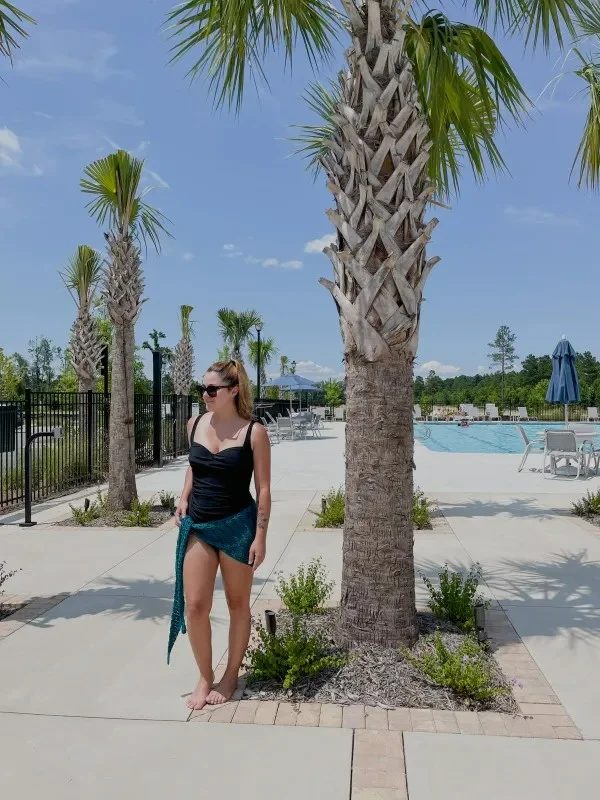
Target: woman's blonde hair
x=233, y=373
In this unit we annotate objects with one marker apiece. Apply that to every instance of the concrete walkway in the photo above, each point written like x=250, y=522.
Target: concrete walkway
x=86, y=696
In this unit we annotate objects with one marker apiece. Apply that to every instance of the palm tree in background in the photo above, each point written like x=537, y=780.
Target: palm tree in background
x=418, y=100
x=183, y=357
x=284, y=365
x=81, y=277
x=12, y=21
x=117, y=202
x=268, y=352
x=237, y=329
x=224, y=353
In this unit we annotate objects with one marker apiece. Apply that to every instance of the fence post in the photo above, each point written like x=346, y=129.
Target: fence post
x=89, y=418
x=174, y=412
x=27, y=457
x=157, y=407
x=105, y=399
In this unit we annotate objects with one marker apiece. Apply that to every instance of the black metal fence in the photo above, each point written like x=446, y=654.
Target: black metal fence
x=80, y=456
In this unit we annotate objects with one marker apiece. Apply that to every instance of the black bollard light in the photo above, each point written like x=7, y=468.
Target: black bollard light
x=480, y=621
x=55, y=433
x=271, y=622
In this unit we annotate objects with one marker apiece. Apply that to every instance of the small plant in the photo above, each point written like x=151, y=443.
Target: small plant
x=139, y=516
x=588, y=506
x=103, y=503
x=288, y=657
x=332, y=511
x=306, y=591
x=5, y=575
x=167, y=500
x=87, y=513
x=421, y=510
x=464, y=670
x=456, y=598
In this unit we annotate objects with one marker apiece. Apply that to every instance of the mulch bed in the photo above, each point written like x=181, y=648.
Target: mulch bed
x=6, y=609
x=158, y=516
x=379, y=676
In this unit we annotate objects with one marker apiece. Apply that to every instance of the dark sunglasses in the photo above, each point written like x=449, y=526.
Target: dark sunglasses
x=213, y=391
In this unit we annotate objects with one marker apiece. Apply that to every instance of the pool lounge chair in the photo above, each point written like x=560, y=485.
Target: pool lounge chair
x=562, y=445
x=417, y=415
x=523, y=416
x=592, y=415
x=491, y=411
x=531, y=445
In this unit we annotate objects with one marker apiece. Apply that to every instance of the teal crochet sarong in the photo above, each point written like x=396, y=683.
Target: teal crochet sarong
x=233, y=535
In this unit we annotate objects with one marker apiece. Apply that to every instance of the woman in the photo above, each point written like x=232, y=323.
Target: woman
x=220, y=525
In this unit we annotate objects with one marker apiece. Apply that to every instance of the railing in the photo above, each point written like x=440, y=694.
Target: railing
x=544, y=412
x=80, y=457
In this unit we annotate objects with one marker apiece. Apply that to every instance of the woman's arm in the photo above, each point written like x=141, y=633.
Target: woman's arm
x=261, y=448
x=182, y=506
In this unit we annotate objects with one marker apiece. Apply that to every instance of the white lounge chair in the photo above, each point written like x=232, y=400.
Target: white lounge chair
x=531, y=445
x=491, y=411
x=562, y=445
x=417, y=415
x=523, y=415
x=476, y=413
x=592, y=415
x=272, y=429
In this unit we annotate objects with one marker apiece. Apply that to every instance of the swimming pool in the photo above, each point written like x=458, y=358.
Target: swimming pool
x=479, y=437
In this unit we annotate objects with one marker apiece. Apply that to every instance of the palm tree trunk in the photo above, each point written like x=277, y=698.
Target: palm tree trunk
x=378, y=603
x=121, y=475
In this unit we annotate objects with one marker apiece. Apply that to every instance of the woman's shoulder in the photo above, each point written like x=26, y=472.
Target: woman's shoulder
x=258, y=433
x=198, y=418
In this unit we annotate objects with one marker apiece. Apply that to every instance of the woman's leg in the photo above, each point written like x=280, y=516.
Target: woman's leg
x=237, y=581
x=199, y=571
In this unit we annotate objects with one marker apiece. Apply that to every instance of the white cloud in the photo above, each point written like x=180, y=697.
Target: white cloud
x=446, y=370
x=538, y=216
x=270, y=262
x=188, y=256
x=10, y=149
x=253, y=260
x=293, y=264
x=233, y=253
x=274, y=262
x=17, y=154
x=160, y=182
x=310, y=369
x=55, y=53
x=228, y=247
x=318, y=245
x=43, y=115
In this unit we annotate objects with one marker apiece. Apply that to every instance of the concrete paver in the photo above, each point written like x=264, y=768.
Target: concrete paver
x=66, y=759
x=472, y=767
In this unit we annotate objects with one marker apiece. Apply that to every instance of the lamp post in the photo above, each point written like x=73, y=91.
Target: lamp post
x=292, y=372
x=259, y=328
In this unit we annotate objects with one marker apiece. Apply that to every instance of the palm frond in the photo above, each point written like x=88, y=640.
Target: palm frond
x=234, y=37
x=314, y=140
x=187, y=327
x=236, y=327
x=589, y=24
x=588, y=152
x=540, y=19
x=114, y=183
x=11, y=28
x=268, y=351
x=465, y=86
x=82, y=274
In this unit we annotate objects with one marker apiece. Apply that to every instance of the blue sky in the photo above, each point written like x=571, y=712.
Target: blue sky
x=521, y=250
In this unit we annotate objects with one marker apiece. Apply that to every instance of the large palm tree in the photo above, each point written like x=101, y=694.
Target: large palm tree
x=118, y=203
x=267, y=351
x=81, y=277
x=417, y=100
x=237, y=329
x=183, y=357
x=11, y=28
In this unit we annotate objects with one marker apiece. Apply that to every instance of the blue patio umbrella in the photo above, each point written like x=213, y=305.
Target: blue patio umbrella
x=564, y=383
x=294, y=383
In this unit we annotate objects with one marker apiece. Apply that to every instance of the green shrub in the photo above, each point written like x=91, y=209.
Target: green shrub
x=139, y=516
x=456, y=598
x=333, y=509
x=464, y=670
x=5, y=575
x=288, y=657
x=421, y=510
x=588, y=506
x=103, y=503
x=87, y=513
x=306, y=591
x=167, y=500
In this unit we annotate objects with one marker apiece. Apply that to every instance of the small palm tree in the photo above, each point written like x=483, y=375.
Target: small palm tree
x=284, y=365
x=237, y=328
x=81, y=277
x=11, y=28
x=267, y=352
x=224, y=353
x=117, y=202
x=183, y=357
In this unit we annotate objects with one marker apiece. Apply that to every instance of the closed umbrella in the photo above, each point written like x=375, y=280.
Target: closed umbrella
x=564, y=383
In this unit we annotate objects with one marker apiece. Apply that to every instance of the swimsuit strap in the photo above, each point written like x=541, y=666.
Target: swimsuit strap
x=249, y=434
x=194, y=426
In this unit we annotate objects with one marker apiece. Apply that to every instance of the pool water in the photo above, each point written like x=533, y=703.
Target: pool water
x=479, y=437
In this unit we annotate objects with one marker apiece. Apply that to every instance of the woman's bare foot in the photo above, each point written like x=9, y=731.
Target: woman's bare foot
x=199, y=696
x=223, y=691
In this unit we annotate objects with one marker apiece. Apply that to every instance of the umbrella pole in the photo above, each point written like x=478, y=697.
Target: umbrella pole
x=566, y=414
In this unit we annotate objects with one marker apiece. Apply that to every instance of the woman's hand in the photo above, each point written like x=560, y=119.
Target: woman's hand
x=180, y=511
x=258, y=551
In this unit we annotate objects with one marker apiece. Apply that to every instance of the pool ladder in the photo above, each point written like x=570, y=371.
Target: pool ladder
x=422, y=431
